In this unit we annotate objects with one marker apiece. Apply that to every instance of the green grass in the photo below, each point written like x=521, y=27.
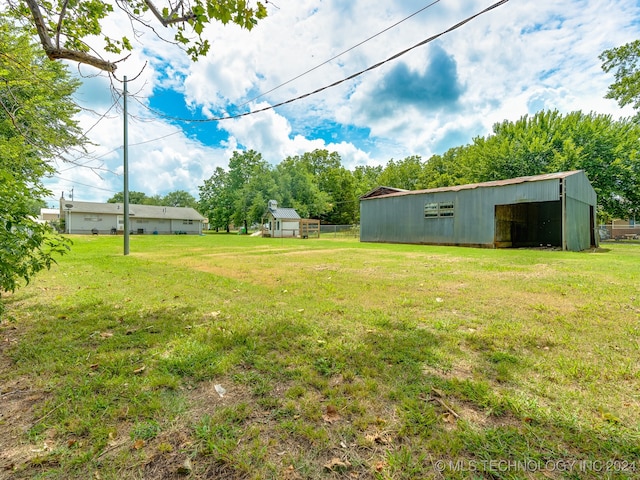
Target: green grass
x=338, y=360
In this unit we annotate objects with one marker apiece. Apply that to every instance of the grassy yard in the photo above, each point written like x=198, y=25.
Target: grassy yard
x=234, y=357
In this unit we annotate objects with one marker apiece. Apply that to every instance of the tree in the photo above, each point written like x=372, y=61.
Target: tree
x=135, y=198
x=66, y=28
x=403, y=173
x=251, y=185
x=179, y=198
x=446, y=170
x=337, y=185
x=36, y=125
x=298, y=188
x=215, y=200
x=625, y=60
x=366, y=178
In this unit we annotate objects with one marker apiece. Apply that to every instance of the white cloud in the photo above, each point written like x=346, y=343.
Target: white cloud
x=515, y=60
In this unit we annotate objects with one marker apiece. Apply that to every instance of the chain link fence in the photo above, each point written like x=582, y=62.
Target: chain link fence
x=340, y=231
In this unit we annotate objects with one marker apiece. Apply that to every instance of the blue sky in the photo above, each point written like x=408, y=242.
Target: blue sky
x=517, y=59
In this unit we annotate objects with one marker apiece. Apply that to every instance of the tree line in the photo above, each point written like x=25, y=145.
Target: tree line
x=318, y=186
x=178, y=198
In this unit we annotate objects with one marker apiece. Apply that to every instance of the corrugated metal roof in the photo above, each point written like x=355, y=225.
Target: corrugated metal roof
x=284, y=213
x=382, y=190
x=495, y=183
x=141, y=211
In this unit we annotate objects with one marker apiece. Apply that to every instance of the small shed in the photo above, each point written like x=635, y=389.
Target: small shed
x=551, y=210
x=281, y=222
x=285, y=222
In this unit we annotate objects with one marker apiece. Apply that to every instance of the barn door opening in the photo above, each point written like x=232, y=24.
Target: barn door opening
x=531, y=224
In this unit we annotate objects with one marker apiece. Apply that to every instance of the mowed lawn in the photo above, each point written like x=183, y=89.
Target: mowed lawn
x=233, y=357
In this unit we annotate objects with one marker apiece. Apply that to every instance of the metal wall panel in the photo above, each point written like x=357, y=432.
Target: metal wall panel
x=401, y=219
x=578, y=225
x=579, y=188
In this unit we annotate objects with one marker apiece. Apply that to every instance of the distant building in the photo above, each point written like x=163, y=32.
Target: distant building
x=621, y=228
x=285, y=222
x=553, y=210
x=108, y=218
x=281, y=222
x=49, y=215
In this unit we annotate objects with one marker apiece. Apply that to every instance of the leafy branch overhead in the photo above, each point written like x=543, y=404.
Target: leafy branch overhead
x=66, y=28
x=625, y=61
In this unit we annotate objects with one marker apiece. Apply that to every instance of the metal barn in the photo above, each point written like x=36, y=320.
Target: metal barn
x=552, y=210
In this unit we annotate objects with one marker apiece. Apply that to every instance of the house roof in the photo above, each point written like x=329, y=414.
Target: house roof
x=284, y=213
x=139, y=211
x=496, y=183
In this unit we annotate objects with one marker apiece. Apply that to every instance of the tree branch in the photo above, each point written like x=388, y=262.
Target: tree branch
x=38, y=21
x=80, y=57
x=57, y=53
x=168, y=21
x=62, y=13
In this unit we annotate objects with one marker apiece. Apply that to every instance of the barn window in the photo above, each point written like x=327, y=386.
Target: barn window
x=430, y=210
x=446, y=209
x=435, y=210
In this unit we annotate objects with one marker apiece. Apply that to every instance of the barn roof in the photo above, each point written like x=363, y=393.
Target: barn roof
x=380, y=191
x=495, y=183
x=140, y=211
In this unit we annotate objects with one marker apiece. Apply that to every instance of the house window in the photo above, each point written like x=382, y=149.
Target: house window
x=187, y=222
x=92, y=219
x=435, y=210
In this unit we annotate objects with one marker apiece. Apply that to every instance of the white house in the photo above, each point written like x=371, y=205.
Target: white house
x=108, y=218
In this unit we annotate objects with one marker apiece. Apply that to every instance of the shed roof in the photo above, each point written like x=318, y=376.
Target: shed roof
x=456, y=188
x=284, y=213
x=140, y=211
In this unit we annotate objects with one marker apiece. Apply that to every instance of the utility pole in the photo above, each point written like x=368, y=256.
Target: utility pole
x=125, y=156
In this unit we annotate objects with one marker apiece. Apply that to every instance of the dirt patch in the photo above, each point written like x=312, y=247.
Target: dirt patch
x=211, y=395
x=459, y=371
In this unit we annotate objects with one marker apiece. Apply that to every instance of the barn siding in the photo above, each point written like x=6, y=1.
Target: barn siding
x=399, y=218
x=578, y=232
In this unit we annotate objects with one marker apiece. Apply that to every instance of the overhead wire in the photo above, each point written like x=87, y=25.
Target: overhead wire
x=83, y=184
x=326, y=87
x=340, y=54
x=334, y=84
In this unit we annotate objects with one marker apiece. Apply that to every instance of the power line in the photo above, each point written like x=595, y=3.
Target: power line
x=83, y=184
x=334, y=84
x=341, y=53
x=300, y=97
